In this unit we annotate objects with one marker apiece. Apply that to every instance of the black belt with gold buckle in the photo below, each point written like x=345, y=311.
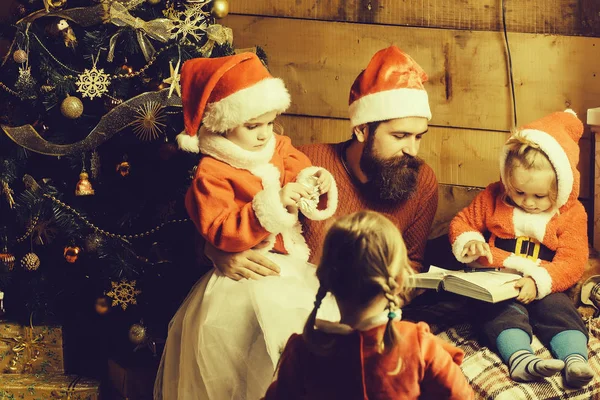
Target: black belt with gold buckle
x=525, y=247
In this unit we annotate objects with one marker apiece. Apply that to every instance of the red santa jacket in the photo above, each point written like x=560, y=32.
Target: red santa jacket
x=421, y=366
x=562, y=229
x=234, y=198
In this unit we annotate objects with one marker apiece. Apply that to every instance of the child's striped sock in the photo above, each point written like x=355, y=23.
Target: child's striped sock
x=524, y=366
x=577, y=371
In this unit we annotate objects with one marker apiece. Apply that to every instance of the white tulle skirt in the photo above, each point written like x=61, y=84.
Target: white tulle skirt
x=225, y=340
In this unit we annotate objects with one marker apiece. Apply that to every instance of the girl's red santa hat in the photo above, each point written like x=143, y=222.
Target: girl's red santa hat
x=223, y=93
x=390, y=87
x=557, y=135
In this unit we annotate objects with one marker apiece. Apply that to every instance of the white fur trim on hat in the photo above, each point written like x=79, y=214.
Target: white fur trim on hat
x=234, y=110
x=188, y=143
x=460, y=242
x=304, y=177
x=558, y=157
x=390, y=104
x=530, y=268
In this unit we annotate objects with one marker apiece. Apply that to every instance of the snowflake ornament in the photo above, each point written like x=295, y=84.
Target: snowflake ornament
x=93, y=82
x=192, y=21
x=123, y=293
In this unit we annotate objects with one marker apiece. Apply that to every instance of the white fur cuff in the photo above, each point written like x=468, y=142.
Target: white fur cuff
x=460, y=242
x=305, y=178
x=530, y=268
x=271, y=213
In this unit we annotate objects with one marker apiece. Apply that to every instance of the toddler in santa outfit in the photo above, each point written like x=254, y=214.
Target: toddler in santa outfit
x=371, y=354
x=532, y=222
x=226, y=338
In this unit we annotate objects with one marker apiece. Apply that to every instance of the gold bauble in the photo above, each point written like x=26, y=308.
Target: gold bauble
x=71, y=253
x=220, y=8
x=71, y=107
x=30, y=262
x=153, y=2
x=137, y=334
x=20, y=56
x=126, y=69
x=123, y=168
x=102, y=305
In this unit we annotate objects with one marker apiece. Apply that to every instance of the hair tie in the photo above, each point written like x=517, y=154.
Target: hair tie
x=391, y=315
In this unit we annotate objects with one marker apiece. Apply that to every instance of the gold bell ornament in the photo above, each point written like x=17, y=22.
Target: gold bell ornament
x=84, y=186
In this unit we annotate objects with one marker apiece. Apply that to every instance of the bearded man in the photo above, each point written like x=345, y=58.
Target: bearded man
x=377, y=169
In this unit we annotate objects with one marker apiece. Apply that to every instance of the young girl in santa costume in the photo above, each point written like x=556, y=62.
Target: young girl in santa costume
x=225, y=340
x=532, y=222
x=370, y=354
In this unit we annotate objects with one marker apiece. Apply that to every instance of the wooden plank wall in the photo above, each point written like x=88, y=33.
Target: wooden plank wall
x=319, y=46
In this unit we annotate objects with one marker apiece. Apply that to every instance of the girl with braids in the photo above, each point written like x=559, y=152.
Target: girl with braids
x=370, y=353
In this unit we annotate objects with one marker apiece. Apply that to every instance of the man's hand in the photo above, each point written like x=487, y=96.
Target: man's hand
x=249, y=264
x=528, y=290
x=323, y=180
x=479, y=249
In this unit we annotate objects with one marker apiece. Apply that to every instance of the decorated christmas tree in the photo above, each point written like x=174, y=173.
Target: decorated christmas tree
x=93, y=230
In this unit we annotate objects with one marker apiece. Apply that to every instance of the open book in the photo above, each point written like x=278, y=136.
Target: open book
x=488, y=285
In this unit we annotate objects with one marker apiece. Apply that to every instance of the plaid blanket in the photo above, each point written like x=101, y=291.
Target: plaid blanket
x=489, y=377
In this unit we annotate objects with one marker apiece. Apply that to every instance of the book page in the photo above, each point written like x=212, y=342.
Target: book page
x=427, y=280
x=491, y=286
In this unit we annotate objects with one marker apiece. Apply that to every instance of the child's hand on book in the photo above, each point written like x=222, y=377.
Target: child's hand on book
x=528, y=290
x=479, y=249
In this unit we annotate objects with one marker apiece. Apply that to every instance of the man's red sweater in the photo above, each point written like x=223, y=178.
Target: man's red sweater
x=413, y=217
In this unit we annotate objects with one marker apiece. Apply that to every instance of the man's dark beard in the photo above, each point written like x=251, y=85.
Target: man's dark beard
x=390, y=181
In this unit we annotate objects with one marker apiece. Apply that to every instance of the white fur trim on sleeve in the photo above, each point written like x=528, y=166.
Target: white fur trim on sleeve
x=271, y=213
x=461, y=241
x=304, y=177
x=530, y=268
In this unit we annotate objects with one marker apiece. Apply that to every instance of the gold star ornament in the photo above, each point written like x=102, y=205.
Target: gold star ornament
x=173, y=80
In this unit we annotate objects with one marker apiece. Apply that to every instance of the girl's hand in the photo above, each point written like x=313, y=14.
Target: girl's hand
x=479, y=249
x=324, y=180
x=528, y=291
x=291, y=193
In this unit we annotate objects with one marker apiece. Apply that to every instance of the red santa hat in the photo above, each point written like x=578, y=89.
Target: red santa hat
x=223, y=93
x=557, y=135
x=391, y=87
